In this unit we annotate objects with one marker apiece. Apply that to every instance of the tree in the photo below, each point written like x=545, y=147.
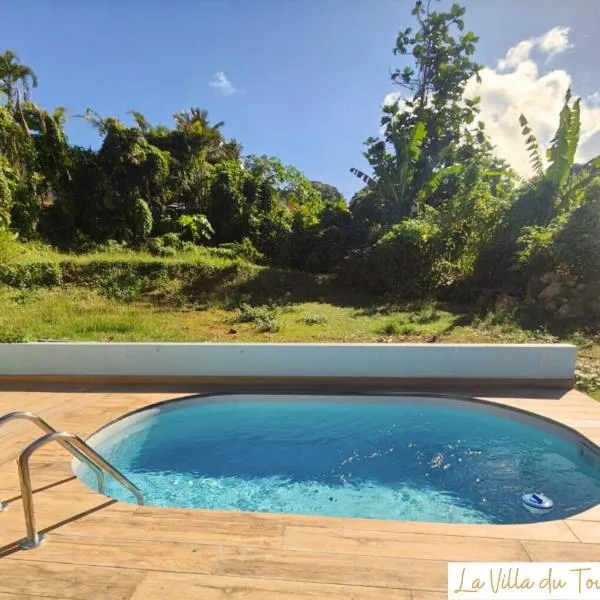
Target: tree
x=16, y=79
x=442, y=66
x=196, y=133
x=422, y=133
x=329, y=193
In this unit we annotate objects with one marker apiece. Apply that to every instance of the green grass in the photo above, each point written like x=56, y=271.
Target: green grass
x=80, y=313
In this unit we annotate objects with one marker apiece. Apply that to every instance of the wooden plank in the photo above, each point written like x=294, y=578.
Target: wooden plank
x=66, y=581
x=212, y=533
x=586, y=531
x=549, y=531
x=542, y=552
x=403, y=545
x=4, y=596
x=42, y=474
x=343, y=569
x=31, y=401
x=53, y=518
x=158, y=586
x=232, y=516
x=420, y=595
x=125, y=554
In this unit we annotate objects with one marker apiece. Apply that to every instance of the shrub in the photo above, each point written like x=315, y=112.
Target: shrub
x=267, y=324
x=168, y=245
x=142, y=221
x=244, y=249
x=391, y=328
x=251, y=314
x=313, y=319
x=27, y=275
x=155, y=246
x=195, y=228
x=562, y=262
x=401, y=262
x=171, y=240
x=12, y=336
x=262, y=317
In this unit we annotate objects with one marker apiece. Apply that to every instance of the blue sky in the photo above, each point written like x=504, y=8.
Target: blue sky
x=307, y=77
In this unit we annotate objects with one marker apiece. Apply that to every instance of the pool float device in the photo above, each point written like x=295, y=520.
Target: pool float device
x=537, y=504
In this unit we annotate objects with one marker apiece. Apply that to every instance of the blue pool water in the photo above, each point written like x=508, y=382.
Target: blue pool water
x=408, y=458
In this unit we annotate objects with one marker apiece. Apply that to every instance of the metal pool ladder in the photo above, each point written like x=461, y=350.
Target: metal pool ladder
x=79, y=449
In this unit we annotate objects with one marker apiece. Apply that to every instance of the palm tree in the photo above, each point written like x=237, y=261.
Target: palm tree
x=195, y=127
x=188, y=119
x=16, y=79
x=140, y=120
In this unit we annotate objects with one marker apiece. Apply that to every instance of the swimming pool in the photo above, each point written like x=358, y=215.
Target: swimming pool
x=417, y=458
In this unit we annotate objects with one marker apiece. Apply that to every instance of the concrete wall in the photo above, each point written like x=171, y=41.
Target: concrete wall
x=412, y=361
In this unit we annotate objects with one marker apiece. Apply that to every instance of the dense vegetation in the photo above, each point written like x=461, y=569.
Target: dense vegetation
x=440, y=217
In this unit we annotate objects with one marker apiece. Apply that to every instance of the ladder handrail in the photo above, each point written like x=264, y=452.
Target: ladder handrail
x=46, y=427
x=34, y=538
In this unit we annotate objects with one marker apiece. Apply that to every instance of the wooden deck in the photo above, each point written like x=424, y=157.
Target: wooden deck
x=100, y=549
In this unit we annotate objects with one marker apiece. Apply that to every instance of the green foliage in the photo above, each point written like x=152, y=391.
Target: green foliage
x=556, y=190
x=29, y=275
x=329, y=193
x=562, y=262
x=532, y=147
x=440, y=57
x=561, y=154
x=401, y=262
x=263, y=318
x=314, y=319
x=6, y=193
x=195, y=228
x=168, y=244
x=440, y=216
x=244, y=249
x=16, y=79
x=228, y=205
x=396, y=171
x=142, y=221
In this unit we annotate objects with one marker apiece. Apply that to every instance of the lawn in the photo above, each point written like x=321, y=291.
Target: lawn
x=78, y=313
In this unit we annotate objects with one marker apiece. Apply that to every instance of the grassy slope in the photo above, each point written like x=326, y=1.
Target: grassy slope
x=307, y=310
x=82, y=314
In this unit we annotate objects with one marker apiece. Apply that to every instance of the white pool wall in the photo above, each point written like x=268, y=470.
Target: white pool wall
x=549, y=362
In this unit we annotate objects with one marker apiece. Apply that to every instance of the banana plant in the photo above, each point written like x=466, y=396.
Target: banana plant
x=535, y=157
x=565, y=188
x=398, y=170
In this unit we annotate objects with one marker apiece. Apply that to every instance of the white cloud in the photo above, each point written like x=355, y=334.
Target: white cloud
x=594, y=98
x=221, y=83
x=555, y=41
x=516, y=86
x=517, y=54
x=551, y=43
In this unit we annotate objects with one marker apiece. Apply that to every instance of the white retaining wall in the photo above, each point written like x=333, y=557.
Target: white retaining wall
x=435, y=361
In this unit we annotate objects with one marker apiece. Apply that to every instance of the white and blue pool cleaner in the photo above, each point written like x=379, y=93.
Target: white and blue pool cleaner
x=538, y=504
